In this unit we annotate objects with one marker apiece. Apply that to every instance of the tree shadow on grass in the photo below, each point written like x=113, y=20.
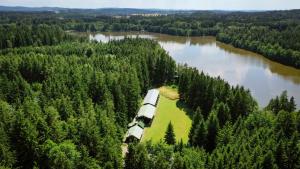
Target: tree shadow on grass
x=182, y=106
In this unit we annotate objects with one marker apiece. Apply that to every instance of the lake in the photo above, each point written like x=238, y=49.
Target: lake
x=265, y=79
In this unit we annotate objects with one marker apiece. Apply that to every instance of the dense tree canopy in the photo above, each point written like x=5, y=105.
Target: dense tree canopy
x=17, y=35
x=258, y=140
x=64, y=108
x=66, y=102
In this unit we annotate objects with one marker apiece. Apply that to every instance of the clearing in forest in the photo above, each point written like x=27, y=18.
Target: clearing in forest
x=169, y=109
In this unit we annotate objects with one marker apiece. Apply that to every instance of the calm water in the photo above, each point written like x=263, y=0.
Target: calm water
x=264, y=78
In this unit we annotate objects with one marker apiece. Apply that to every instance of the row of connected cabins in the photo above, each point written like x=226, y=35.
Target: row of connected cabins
x=144, y=117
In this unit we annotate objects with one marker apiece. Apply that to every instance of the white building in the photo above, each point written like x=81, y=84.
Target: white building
x=151, y=97
x=134, y=133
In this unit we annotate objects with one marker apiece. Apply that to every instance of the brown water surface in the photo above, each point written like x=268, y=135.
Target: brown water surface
x=265, y=79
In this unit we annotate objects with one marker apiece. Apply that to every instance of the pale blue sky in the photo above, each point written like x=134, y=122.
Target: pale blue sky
x=162, y=4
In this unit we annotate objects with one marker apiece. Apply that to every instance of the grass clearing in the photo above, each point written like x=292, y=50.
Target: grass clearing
x=168, y=110
x=169, y=92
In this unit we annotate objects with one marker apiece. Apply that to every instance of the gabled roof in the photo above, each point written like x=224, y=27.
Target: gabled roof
x=135, y=131
x=151, y=97
x=134, y=122
x=147, y=111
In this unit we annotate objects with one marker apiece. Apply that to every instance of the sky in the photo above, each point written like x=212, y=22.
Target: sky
x=162, y=4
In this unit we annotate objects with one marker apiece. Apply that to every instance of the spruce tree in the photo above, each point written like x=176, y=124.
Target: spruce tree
x=293, y=151
x=281, y=155
x=170, y=136
x=129, y=158
x=268, y=161
x=137, y=157
x=298, y=122
x=284, y=102
x=196, y=119
x=212, y=129
x=199, y=138
x=223, y=113
x=178, y=162
x=292, y=104
x=179, y=146
x=89, y=52
x=285, y=123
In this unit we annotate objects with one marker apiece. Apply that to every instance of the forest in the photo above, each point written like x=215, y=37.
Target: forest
x=65, y=102
x=67, y=106
x=274, y=34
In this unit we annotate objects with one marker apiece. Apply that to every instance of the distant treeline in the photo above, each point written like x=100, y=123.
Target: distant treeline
x=274, y=34
x=13, y=36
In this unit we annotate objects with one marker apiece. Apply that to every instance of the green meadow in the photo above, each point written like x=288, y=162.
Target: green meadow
x=168, y=110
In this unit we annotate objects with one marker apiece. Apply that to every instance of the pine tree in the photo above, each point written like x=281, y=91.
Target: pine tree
x=298, y=121
x=268, y=161
x=170, y=136
x=212, y=129
x=161, y=162
x=178, y=162
x=293, y=151
x=274, y=105
x=133, y=94
x=196, y=119
x=129, y=160
x=281, y=156
x=62, y=155
x=137, y=157
x=285, y=123
x=284, y=102
x=292, y=104
x=120, y=105
x=199, y=138
x=223, y=113
x=179, y=146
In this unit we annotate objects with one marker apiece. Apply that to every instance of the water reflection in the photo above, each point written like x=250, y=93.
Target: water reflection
x=263, y=77
x=286, y=72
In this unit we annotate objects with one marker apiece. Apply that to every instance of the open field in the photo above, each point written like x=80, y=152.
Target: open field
x=168, y=110
x=169, y=92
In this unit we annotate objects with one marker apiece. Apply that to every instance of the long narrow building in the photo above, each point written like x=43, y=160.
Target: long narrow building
x=144, y=117
x=151, y=97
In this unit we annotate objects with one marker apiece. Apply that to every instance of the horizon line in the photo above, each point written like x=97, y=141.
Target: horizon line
x=169, y=9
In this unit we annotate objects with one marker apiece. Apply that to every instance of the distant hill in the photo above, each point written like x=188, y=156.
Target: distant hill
x=29, y=9
x=106, y=11
x=129, y=11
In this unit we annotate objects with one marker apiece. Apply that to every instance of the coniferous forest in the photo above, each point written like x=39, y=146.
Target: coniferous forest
x=65, y=102
x=274, y=34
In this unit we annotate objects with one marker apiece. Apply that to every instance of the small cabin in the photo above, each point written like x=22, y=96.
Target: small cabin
x=152, y=97
x=134, y=134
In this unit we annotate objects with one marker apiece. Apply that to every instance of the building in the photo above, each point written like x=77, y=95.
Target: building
x=134, y=133
x=144, y=117
x=136, y=122
x=146, y=114
x=151, y=97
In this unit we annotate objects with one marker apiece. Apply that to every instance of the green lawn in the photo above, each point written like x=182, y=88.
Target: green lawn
x=168, y=111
